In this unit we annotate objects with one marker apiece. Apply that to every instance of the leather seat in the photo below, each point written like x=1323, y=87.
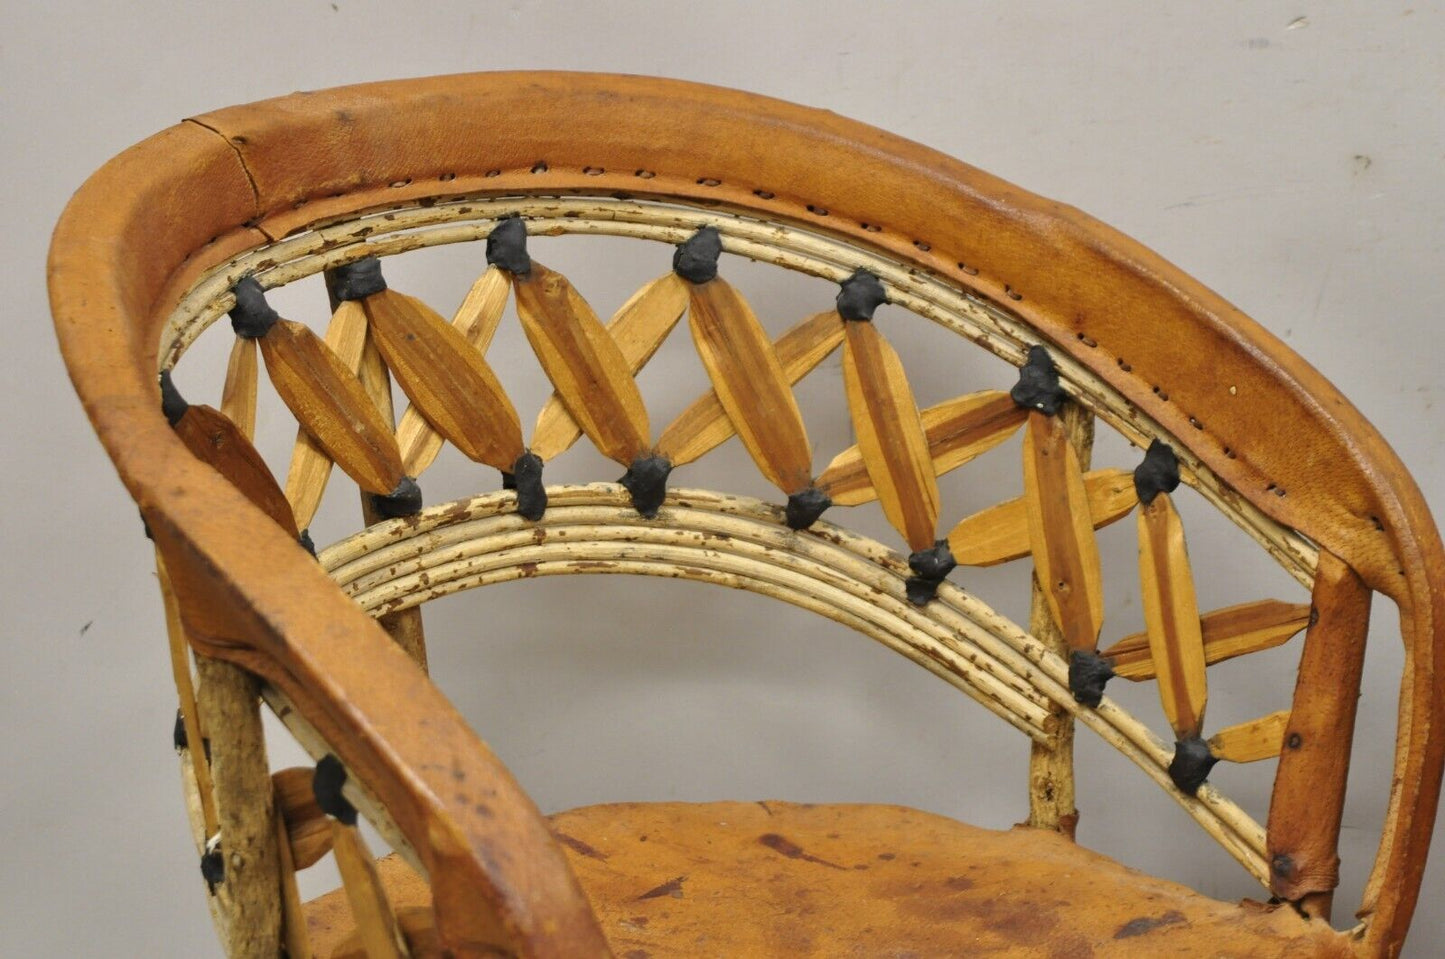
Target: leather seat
x=673, y=879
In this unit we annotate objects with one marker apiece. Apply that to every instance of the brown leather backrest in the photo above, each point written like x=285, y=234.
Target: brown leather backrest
x=1270, y=426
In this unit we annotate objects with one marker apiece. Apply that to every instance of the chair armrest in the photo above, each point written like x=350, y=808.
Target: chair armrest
x=250, y=596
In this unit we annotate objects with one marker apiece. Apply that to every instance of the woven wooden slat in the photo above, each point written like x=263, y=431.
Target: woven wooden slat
x=310, y=464
x=638, y=328
x=1251, y=741
x=890, y=434
x=329, y=402
x=750, y=384
x=213, y=438
x=476, y=320
x=1061, y=531
x=584, y=363
x=1233, y=631
x=1000, y=533
x=308, y=832
x=445, y=378
x=704, y=425
x=238, y=395
x=957, y=431
x=1171, y=616
x=375, y=920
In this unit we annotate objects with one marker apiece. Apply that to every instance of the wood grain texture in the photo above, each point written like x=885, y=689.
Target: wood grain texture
x=309, y=461
x=704, y=425
x=1061, y=531
x=172, y=207
x=445, y=378
x=638, y=327
x=238, y=394
x=1000, y=533
x=1051, y=761
x=375, y=921
x=957, y=431
x=584, y=363
x=294, y=934
x=827, y=880
x=1229, y=632
x=1171, y=616
x=1251, y=741
x=307, y=831
x=749, y=382
x=245, y=807
x=1307, y=805
x=476, y=319
x=890, y=434
x=180, y=656
x=219, y=442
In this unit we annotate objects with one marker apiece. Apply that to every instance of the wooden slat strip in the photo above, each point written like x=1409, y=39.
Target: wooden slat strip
x=1000, y=533
x=213, y=439
x=1051, y=760
x=1061, y=531
x=329, y=402
x=1251, y=741
x=1171, y=616
x=1308, y=802
x=957, y=431
x=705, y=425
x=750, y=384
x=405, y=625
x=445, y=378
x=1229, y=632
x=375, y=921
x=238, y=395
x=890, y=434
x=476, y=319
x=310, y=465
x=180, y=651
x=294, y=933
x=638, y=328
x=584, y=364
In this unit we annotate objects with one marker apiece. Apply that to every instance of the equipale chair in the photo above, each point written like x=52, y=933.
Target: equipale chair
x=203, y=218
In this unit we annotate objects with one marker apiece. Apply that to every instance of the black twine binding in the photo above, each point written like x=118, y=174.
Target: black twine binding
x=173, y=404
x=805, y=506
x=1157, y=473
x=1088, y=672
x=646, y=482
x=307, y=543
x=405, y=500
x=356, y=281
x=251, y=317
x=213, y=866
x=930, y=568
x=507, y=246
x=178, y=734
x=1038, y=385
x=1191, y=764
x=326, y=784
x=526, y=479
x=695, y=259
x=860, y=295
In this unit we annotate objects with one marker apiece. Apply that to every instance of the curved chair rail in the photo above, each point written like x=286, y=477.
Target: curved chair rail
x=143, y=255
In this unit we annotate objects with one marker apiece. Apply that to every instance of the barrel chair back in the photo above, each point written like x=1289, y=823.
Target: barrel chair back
x=200, y=221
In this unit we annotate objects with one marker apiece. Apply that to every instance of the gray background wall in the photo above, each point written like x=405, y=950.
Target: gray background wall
x=1288, y=154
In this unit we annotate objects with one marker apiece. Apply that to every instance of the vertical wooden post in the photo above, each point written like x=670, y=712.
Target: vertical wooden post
x=1051, y=763
x=229, y=700
x=1309, y=787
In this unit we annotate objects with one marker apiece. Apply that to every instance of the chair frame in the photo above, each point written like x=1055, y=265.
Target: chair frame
x=147, y=252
